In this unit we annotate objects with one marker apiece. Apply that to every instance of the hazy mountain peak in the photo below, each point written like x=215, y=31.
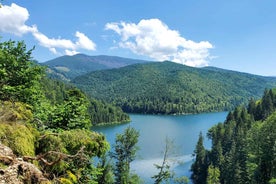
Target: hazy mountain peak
x=72, y=66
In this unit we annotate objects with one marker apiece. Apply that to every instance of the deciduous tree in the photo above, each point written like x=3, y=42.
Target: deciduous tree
x=124, y=153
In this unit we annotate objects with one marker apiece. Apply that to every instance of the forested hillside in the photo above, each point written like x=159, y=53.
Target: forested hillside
x=43, y=137
x=98, y=112
x=170, y=88
x=69, y=67
x=243, y=147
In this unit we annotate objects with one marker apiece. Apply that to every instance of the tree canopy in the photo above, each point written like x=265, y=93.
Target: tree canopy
x=19, y=75
x=243, y=147
x=170, y=88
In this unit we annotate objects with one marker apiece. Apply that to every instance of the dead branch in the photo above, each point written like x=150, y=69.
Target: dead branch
x=60, y=156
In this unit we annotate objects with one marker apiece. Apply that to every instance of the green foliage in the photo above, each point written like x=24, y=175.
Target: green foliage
x=99, y=112
x=182, y=180
x=243, y=147
x=213, y=175
x=71, y=114
x=163, y=175
x=124, y=153
x=12, y=112
x=107, y=175
x=14, y=132
x=170, y=88
x=200, y=165
x=135, y=179
x=19, y=76
x=71, y=142
x=20, y=138
x=266, y=151
x=54, y=90
x=95, y=144
x=263, y=108
x=272, y=181
x=70, y=179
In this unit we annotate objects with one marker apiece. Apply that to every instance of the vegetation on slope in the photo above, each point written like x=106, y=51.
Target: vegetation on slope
x=170, y=88
x=98, y=112
x=41, y=128
x=243, y=147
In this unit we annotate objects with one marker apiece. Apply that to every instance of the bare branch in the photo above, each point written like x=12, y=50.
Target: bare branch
x=60, y=156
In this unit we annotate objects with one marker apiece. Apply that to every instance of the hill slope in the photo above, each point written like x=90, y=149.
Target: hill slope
x=69, y=67
x=99, y=112
x=169, y=88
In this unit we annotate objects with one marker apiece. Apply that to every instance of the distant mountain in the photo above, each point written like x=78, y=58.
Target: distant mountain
x=170, y=88
x=69, y=67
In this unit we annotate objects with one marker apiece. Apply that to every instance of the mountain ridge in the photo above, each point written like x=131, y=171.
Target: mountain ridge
x=169, y=88
x=69, y=67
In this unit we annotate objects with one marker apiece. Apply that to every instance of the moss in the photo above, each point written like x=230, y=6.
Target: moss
x=69, y=179
x=14, y=132
x=95, y=144
x=65, y=181
x=3, y=166
x=20, y=138
x=14, y=112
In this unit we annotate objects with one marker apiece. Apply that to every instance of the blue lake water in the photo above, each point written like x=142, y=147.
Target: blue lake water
x=183, y=130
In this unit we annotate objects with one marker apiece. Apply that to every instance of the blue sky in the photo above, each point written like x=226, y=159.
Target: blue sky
x=238, y=34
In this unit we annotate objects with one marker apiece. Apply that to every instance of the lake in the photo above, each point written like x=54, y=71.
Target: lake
x=183, y=130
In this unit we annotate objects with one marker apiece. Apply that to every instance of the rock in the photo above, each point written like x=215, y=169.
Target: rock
x=17, y=171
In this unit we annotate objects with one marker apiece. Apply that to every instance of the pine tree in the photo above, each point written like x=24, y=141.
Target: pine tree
x=200, y=165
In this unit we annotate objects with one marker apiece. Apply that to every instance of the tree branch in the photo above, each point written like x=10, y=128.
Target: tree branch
x=60, y=155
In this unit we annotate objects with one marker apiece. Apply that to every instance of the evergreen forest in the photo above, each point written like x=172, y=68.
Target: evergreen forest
x=170, y=88
x=243, y=147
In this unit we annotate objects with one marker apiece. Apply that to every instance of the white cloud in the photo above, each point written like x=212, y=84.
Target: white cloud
x=71, y=52
x=84, y=42
x=53, y=50
x=154, y=39
x=53, y=42
x=13, y=20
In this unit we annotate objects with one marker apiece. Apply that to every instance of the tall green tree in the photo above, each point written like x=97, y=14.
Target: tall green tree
x=124, y=153
x=200, y=165
x=71, y=114
x=19, y=74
